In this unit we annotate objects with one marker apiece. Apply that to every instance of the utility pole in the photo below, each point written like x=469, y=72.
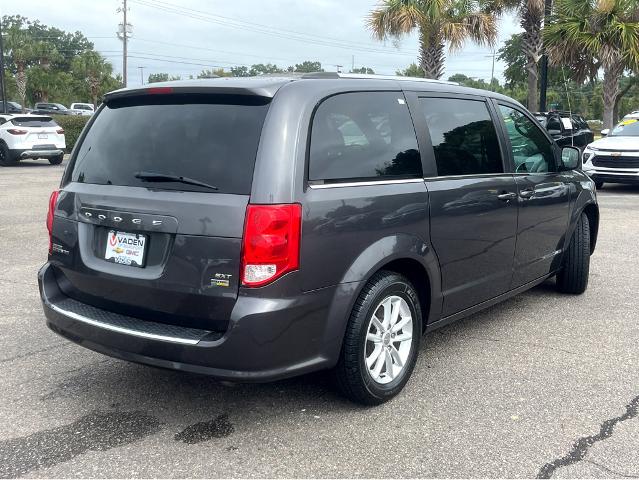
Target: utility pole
x=2, y=83
x=123, y=34
x=141, y=74
x=543, y=82
x=352, y=63
x=492, y=71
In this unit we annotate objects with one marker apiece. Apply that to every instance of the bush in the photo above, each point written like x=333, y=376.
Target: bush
x=72, y=125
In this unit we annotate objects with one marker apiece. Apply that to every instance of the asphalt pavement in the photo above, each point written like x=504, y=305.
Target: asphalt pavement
x=543, y=385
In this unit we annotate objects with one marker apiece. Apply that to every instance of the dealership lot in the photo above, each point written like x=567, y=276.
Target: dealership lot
x=544, y=384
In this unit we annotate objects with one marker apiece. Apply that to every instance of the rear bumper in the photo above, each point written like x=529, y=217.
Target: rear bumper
x=267, y=339
x=48, y=153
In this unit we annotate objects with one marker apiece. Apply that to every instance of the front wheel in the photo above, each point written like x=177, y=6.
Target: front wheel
x=381, y=342
x=575, y=269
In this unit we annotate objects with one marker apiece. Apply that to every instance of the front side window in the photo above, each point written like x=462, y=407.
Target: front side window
x=532, y=151
x=463, y=136
x=363, y=135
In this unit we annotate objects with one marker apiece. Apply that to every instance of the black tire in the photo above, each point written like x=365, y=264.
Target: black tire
x=352, y=374
x=599, y=184
x=573, y=276
x=56, y=160
x=7, y=158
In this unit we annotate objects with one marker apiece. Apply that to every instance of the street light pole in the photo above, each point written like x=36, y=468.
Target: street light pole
x=141, y=74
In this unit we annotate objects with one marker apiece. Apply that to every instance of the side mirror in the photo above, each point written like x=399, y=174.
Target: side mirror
x=554, y=133
x=605, y=132
x=570, y=158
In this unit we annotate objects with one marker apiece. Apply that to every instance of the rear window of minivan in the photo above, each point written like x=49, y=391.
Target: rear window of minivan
x=210, y=139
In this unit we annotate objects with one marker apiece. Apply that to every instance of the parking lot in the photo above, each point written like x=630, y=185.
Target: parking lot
x=541, y=385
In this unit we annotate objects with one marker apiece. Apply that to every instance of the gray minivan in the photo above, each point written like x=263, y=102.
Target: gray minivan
x=259, y=228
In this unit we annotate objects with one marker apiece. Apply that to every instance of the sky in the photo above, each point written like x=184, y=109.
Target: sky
x=183, y=37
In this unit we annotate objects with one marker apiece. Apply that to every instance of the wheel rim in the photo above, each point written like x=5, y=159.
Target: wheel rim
x=388, y=339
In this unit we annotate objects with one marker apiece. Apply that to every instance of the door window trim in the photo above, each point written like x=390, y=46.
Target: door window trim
x=430, y=153
x=509, y=150
x=352, y=182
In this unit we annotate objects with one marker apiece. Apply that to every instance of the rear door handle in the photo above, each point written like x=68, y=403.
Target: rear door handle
x=526, y=193
x=507, y=196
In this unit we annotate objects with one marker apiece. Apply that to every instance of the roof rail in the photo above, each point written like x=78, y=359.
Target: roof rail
x=334, y=75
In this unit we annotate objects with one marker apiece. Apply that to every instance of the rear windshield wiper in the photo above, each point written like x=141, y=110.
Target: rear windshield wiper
x=163, y=177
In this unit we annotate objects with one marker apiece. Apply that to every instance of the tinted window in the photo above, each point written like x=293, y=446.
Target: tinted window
x=463, y=135
x=361, y=136
x=215, y=143
x=553, y=124
x=532, y=151
x=33, y=122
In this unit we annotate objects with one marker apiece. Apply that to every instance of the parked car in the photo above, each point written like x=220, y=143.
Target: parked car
x=30, y=136
x=12, y=107
x=614, y=158
x=259, y=228
x=566, y=128
x=51, y=109
x=85, y=109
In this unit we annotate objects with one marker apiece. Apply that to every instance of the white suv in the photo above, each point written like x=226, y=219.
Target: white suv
x=85, y=109
x=30, y=136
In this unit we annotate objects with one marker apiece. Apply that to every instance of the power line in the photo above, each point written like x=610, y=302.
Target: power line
x=235, y=22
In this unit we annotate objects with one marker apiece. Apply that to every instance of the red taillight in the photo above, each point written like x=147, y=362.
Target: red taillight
x=60, y=131
x=271, y=244
x=53, y=200
x=16, y=131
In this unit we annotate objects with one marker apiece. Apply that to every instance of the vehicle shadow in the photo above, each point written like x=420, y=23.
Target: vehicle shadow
x=183, y=398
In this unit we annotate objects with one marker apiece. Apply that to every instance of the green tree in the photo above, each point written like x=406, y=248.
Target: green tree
x=242, y=71
x=439, y=22
x=214, y=73
x=264, y=69
x=20, y=50
x=587, y=34
x=94, y=73
x=307, y=67
x=413, y=70
x=365, y=70
x=162, y=77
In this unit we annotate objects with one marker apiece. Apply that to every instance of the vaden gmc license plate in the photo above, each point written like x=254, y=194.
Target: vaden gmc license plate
x=125, y=248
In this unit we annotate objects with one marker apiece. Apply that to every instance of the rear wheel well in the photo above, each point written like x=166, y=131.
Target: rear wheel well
x=418, y=276
x=592, y=212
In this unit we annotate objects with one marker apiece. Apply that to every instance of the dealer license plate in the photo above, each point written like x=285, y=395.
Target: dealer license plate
x=125, y=248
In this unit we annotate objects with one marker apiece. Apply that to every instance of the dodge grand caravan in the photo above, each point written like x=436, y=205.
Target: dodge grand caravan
x=261, y=228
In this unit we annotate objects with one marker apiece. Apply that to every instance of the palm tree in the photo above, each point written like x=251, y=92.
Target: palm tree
x=439, y=22
x=94, y=71
x=21, y=49
x=592, y=34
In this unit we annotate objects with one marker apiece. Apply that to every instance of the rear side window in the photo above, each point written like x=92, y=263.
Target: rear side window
x=363, y=135
x=212, y=140
x=33, y=122
x=463, y=136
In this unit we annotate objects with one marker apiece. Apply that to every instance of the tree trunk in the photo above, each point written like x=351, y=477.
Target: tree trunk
x=532, y=17
x=21, y=85
x=612, y=75
x=431, y=52
x=533, y=92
